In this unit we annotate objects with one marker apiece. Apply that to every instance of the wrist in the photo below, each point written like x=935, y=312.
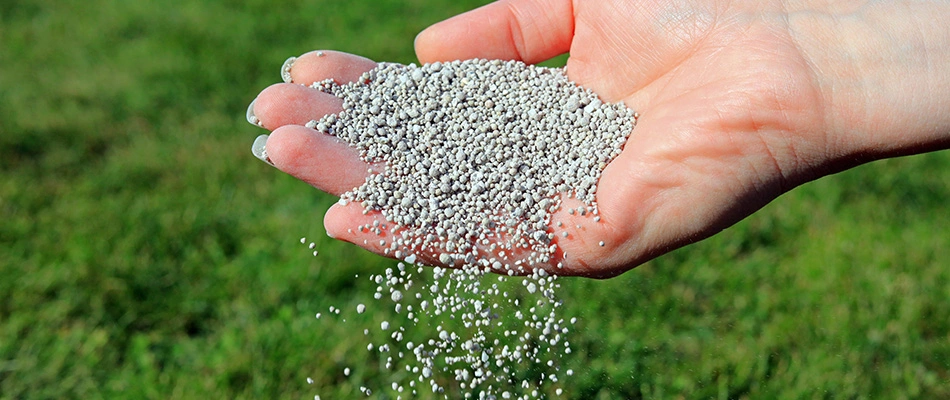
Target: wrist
x=883, y=70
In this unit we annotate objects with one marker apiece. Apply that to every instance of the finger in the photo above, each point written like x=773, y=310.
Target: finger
x=323, y=161
x=369, y=229
x=526, y=30
x=287, y=104
x=351, y=222
x=583, y=240
x=316, y=66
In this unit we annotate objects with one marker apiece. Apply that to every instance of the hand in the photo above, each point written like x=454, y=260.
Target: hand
x=740, y=101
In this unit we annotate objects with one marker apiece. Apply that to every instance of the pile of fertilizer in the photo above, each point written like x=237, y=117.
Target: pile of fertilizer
x=477, y=156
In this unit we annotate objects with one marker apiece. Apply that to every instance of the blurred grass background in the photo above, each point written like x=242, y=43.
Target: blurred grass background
x=144, y=253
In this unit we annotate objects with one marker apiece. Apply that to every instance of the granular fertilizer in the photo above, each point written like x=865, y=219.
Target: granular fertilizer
x=477, y=155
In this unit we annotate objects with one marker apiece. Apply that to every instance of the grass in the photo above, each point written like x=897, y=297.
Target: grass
x=144, y=253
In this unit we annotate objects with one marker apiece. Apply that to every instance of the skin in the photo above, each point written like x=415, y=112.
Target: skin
x=740, y=101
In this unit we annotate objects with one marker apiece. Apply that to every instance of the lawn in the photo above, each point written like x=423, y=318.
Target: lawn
x=145, y=253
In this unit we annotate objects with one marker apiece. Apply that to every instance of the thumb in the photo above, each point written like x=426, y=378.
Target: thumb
x=527, y=30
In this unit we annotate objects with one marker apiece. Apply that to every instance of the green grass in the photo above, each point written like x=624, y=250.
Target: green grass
x=144, y=253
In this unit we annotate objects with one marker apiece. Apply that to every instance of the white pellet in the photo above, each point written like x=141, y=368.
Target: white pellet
x=473, y=149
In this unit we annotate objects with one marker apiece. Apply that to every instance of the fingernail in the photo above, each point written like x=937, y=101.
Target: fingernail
x=259, y=149
x=251, y=118
x=285, y=69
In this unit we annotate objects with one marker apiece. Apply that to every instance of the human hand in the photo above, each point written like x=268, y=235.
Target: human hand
x=739, y=102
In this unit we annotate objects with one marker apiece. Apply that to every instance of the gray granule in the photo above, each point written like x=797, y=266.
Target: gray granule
x=463, y=140
x=285, y=69
x=477, y=156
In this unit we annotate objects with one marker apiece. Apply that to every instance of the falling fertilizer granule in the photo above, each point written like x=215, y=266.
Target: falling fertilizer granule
x=477, y=156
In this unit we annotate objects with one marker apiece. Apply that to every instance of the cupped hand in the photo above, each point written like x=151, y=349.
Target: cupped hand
x=740, y=101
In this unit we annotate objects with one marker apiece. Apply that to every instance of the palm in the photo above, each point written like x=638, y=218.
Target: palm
x=719, y=99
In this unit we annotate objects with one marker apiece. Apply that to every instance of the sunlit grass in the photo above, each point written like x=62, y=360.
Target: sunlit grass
x=144, y=253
